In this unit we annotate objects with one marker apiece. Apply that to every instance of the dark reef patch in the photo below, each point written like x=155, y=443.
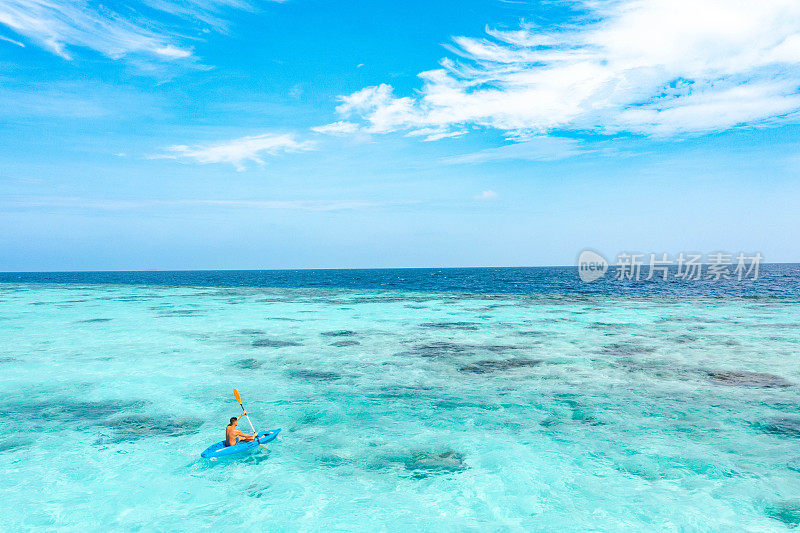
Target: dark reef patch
x=320, y=375
x=449, y=349
x=338, y=333
x=404, y=391
x=694, y=320
x=786, y=511
x=70, y=412
x=659, y=369
x=743, y=378
x=331, y=460
x=137, y=426
x=9, y=445
x=634, y=365
x=782, y=427
x=728, y=342
x=272, y=343
x=550, y=421
x=423, y=463
x=252, y=332
x=248, y=364
x=132, y=298
x=437, y=349
x=612, y=326
x=486, y=367
x=625, y=349
x=179, y=312
x=578, y=417
x=532, y=333
x=497, y=348
x=341, y=344
x=467, y=326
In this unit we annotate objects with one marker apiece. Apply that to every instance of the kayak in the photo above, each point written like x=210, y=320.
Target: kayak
x=215, y=451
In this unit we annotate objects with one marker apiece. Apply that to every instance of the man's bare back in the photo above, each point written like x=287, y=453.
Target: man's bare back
x=233, y=435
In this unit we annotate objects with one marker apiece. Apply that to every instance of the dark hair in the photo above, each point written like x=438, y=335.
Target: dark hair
x=233, y=419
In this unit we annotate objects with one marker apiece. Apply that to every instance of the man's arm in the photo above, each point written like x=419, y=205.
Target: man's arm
x=242, y=433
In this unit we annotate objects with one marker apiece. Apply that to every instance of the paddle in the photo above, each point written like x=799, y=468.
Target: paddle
x=239, y=399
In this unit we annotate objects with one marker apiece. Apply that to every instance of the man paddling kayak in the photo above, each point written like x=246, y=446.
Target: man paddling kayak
x=232, y=435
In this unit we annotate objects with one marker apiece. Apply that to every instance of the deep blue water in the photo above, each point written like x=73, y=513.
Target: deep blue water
x=780, y=280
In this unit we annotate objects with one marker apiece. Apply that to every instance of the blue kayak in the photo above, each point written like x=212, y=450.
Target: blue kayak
x=219, y=449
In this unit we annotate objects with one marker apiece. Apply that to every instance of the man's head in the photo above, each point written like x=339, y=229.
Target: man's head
x=233, y=421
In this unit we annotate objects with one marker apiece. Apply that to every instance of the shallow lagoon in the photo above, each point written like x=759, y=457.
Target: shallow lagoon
x=400, y=410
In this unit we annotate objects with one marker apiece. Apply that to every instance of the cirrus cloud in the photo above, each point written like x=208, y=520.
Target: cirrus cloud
x=541, y=148
x=58, y=25
x=337, y=128
x=660, y=68
x=236, y=151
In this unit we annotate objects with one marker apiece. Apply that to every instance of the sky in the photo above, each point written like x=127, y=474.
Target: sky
x=257, y=134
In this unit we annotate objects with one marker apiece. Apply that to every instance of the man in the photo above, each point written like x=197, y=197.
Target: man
x=232, y=434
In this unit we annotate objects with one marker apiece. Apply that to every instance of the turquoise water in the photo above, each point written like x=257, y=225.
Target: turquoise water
x=400, y=410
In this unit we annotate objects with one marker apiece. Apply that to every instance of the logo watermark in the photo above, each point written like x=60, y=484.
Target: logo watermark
x=715, y=266
x=591, y=266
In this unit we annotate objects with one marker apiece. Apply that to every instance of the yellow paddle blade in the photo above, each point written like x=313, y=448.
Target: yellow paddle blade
x=236, y=395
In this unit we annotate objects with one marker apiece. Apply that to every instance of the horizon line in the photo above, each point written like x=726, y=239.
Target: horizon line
x=320, y=268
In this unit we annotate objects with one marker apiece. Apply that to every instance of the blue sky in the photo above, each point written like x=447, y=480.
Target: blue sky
x=185, y=134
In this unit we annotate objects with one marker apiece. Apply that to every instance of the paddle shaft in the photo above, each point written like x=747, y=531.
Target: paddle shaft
x=251, y=426
x=248, y=418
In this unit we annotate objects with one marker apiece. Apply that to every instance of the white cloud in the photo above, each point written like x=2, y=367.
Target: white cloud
x=237, y=151
x=654, y=67
x=487, y=195
x=12, y=41
x=713, y=110
x=337, y=128
x=381, y=109
x=434, y=134
x=172, y=52
x=541, y=148
x=58, y=25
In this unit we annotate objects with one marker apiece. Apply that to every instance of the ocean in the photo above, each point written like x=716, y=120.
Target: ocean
x=496, y=399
